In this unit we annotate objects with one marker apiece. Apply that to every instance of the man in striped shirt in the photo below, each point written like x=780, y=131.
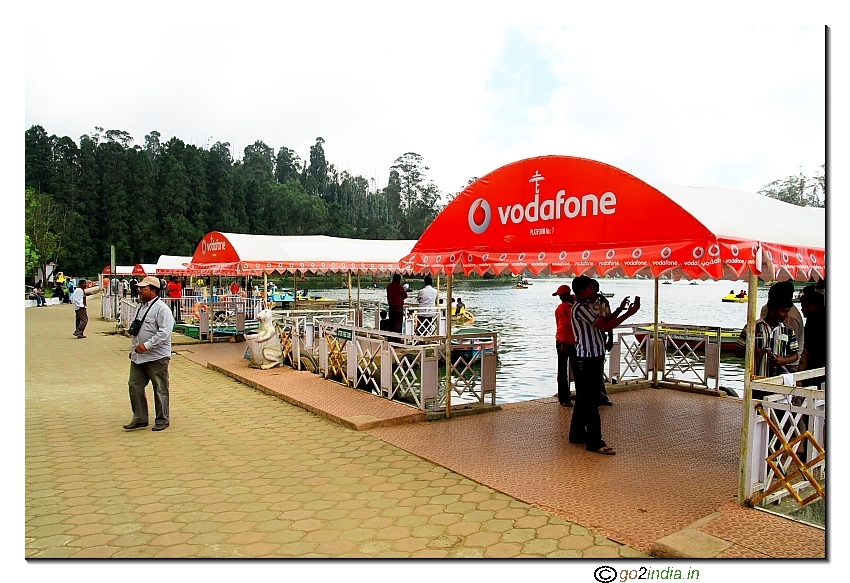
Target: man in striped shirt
x=589, y=328
x=775, y=344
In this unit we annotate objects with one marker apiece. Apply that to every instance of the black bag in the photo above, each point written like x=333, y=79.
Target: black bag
x=136, y=325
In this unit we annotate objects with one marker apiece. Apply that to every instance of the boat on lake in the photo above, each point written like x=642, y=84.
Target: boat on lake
x=465, y=318
x=283, y=296
x=315, y=302
x=469, y=347
x=684, y=336
x=734, y=298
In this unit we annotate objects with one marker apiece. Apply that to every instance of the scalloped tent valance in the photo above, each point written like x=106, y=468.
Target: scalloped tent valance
x=572, y=216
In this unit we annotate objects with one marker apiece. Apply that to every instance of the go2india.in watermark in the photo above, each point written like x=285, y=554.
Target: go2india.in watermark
x=607, y=574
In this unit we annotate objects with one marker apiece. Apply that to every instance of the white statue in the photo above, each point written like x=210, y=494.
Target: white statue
x=265, y=347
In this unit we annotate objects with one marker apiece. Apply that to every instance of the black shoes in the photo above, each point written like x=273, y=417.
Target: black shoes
x=135, y=425
x=158, y=427
x=608, y=403
x=567, y=404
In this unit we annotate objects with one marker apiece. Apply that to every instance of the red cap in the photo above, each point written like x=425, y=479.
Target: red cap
x=564, y=289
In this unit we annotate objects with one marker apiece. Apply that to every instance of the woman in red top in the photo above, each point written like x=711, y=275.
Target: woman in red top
x=174, y=291
x=565, y=343
x=234, y=288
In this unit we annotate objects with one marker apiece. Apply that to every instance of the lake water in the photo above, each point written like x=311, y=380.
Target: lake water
x=525, y=320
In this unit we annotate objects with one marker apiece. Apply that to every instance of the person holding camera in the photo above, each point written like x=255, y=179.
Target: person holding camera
x=589, y=328
x=150, y=356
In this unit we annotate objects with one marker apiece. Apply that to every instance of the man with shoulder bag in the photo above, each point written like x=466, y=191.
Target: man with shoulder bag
x=150, y=356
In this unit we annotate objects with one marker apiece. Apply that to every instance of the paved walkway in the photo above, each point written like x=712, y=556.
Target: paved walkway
x=241, y=473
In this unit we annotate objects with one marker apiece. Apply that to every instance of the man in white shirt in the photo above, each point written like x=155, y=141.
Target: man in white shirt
x=81, y=317
x=427, y=299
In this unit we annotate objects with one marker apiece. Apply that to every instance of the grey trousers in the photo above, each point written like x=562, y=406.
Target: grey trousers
x=81, y=316
x=155, y=371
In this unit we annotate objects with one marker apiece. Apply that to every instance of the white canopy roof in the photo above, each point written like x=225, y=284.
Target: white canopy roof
x=241, y=254
x=172, y=265
x=747, y=215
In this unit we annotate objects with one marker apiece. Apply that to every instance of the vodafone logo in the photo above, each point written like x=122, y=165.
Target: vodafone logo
x=479, y=216
x=213, y=245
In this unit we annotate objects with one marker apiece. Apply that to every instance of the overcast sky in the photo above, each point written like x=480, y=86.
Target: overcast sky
x=704, y=105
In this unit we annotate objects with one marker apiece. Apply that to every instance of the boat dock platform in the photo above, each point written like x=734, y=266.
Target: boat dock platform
x=242, y=473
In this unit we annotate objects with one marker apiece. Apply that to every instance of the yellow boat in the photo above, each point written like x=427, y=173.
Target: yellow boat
x=465, y=317
x=734, y=298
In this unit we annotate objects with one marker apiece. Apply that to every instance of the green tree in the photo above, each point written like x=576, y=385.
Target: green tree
x=38, y=158
x=418, y=202
x=799, y=189
x=317, y=170
x=287, y=165
x=31, y=259
x=45, y=224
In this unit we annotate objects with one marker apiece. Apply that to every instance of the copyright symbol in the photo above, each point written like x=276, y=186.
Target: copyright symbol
x=605, y=574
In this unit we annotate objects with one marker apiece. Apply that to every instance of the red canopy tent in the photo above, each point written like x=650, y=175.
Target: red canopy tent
x=565, y=215
x=137, y=269
x=572, y=216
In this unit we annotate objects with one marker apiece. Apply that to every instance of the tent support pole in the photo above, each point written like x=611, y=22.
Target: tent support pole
x=265, y=294
x=749, y=361
x=655, y=339
x=358, y=300
x=295, y=289
x=349, y=291
x=448, y=345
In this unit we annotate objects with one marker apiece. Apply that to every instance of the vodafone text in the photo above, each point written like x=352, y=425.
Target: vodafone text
x=552, y=208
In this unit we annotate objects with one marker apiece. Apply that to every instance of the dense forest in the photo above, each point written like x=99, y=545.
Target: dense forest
x=161, y=198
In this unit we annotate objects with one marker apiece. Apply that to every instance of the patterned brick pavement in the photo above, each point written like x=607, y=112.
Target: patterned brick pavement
x=240, y=473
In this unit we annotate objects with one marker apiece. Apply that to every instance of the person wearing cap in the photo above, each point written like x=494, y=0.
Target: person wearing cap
x=565, y=343
x=81, y=316
x=589, y=328
x=150, y=356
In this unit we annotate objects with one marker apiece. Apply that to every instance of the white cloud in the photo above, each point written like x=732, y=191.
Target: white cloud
x=698, y=105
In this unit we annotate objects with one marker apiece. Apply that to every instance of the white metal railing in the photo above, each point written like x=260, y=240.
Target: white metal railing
x=690, y=356
x=412, y=368
x=785, y=453
x=399, y=367
x=419, y=321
